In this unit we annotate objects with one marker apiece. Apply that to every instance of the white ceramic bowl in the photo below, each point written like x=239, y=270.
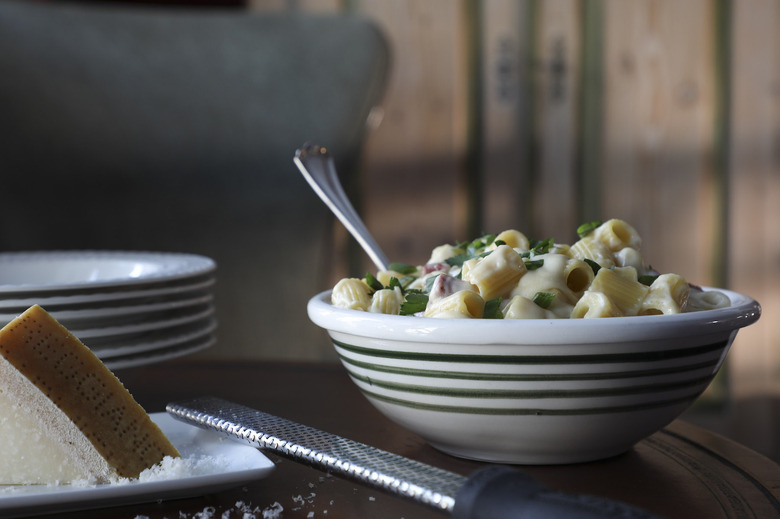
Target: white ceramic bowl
x=533, y=391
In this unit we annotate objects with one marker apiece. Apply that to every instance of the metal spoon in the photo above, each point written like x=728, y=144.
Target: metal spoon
x=318, y=169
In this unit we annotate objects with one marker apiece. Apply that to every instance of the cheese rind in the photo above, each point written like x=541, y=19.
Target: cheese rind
x=58, y=395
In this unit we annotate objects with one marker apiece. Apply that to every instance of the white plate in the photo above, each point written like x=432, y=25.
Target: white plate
x=102, y=315
x=161, y=321
x=161, y=354
x=243, y=463
x=55, y=271
x=150, y=294
x=156, y=340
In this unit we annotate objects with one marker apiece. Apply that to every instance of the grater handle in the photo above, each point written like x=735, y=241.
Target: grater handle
x=501, y=492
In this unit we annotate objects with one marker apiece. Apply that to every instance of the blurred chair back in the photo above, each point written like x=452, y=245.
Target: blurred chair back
x=151, y=128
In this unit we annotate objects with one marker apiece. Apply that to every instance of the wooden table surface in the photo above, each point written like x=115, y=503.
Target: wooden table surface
x=682, y=471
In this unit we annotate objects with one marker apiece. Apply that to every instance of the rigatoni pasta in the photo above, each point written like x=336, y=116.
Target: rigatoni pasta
x=595, y=304
x=509, y=276
x=496, y=274
x=461, y=304
x=594, y=250
x=568, y=276
x=621, y=285
x=668, y=295
x=617, y=235
x=520, y=307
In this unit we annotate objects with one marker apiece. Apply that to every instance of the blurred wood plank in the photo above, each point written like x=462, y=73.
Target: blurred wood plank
x=413, y=194
x=659, y=128
x=313, y=6
x=754, y=360
x=556, y=82
x=506, y=106
x=591, y=112
x=267, y=5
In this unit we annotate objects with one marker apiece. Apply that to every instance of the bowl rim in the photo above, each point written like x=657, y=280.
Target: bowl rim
x=743, y=311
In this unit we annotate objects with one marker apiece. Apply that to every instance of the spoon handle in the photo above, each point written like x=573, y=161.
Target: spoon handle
x=316, y=165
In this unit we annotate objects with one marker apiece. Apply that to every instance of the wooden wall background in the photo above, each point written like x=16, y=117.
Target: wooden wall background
x=539, y=115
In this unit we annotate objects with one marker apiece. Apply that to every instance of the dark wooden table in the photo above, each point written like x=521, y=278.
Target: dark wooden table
x=682, y=471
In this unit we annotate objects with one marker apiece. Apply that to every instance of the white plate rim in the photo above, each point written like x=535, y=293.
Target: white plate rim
x=105, y=296
x=173, y=266
x=160, y=354
x=159, y=340
x=197, y=313
x=106, y=312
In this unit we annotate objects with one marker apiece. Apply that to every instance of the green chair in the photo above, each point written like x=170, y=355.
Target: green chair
x=174, y=129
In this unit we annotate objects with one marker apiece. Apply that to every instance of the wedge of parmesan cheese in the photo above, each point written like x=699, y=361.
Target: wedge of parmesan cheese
x=64, y=417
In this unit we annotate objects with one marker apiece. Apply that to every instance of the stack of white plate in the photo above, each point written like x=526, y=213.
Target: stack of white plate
x=130, y=308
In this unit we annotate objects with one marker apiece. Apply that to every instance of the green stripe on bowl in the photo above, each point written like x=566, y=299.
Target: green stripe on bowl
x=604, y=358
x=522, y=377
x=530, y=411
x=530, y=393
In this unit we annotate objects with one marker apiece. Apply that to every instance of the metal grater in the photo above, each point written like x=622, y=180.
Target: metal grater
x=377, y=468
x=495, y=492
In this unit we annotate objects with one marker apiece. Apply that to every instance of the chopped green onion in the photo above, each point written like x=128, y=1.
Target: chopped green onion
x=648, y=279
x=458, y=260
x=492, y=310
x=415, y=302
x=587, y=228
x=402, y=268
x=593, y=265
x=483, y=241
x=543, y=299
x=541, y=247
x=534, y=264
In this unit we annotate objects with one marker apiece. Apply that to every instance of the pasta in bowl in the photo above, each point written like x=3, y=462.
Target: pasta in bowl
x=543, y=390
x=511, y=277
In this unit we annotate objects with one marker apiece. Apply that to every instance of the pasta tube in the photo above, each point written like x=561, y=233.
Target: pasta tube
x=496, y=274
x=578, y=276
x=520, y=307
x=463, y=304
x=558, y=274
x=512, y=238
x=620, y=285
x=594, y=304
x=594, y=250
x=668, y=295
x=629, y=257
x=561, y=248
x=384, y=276
x=617, y=234
x=441, y=253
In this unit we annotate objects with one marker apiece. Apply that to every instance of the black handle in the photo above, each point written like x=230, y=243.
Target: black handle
x=498, y=492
